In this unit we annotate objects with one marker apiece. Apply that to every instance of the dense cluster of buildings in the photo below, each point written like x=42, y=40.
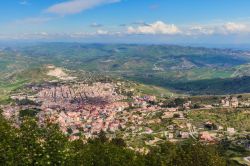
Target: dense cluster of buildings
x=86, y=109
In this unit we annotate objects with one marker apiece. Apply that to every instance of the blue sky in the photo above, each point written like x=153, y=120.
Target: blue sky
x=149, y=21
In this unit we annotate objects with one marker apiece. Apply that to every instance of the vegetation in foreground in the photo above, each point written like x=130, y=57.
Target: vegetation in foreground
x=46, y=145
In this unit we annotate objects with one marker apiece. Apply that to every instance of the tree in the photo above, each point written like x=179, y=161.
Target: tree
x=196, y=106
x=31, y=144
x=184, y=154
x=118, y=142
x=96, y=153
x=102, y=136
x=176, y=115
x=8, y=144
x=28, y=113
x=195, y=154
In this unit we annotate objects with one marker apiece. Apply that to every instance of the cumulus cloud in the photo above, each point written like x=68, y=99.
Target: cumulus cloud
x=158, y=27
x=221, y=29
x=139, y=28
x=76, y=6
x=235, y=27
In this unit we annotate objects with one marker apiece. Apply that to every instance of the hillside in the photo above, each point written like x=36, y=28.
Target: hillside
x=175, y=67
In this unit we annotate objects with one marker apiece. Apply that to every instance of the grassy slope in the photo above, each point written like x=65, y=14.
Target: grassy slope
x=224, y=117
x=155, y=90
x=19, y=79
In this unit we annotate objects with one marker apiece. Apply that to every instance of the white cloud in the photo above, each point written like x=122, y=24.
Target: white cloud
x=235, y=27
x=102, y=32
x=57, y=36
x=76, y=6
x=158, y=27
x=221, y=29
x=200, y=30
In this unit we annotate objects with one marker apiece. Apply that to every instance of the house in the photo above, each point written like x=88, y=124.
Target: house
x=150, y=98
x=187, y=105
x=172, y=109
x=170, y=135
x=205, y=136
x=184, y=135
x=231, y=131
x=234, y=102
x=230, y=102
x=167, y=115
x=148, y=131
x=171, y=127
x=220, y=127
x=225, y=102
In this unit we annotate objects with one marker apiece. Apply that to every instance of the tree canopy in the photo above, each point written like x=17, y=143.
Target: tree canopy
x=31, y=144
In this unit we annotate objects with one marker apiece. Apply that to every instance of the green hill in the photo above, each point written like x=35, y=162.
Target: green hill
x=186, y=69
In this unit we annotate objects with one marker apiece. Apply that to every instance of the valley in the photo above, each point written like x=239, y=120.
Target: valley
x=127, y=93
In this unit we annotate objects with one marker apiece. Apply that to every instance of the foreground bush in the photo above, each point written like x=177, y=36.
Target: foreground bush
x=31, y=144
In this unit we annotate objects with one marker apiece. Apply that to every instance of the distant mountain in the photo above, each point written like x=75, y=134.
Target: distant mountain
x=166, y=65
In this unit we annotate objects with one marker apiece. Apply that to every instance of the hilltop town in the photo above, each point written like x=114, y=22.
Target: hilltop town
x=82, y=110
x=85, y=104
